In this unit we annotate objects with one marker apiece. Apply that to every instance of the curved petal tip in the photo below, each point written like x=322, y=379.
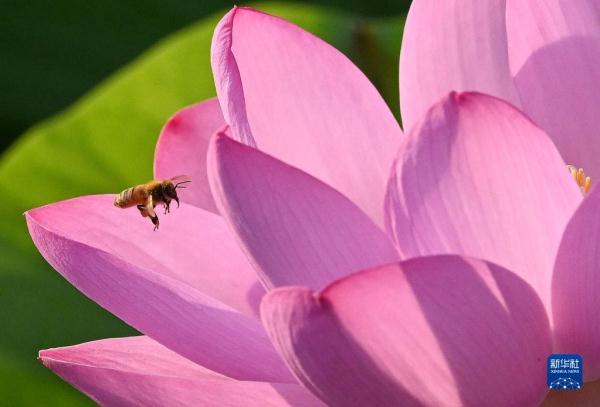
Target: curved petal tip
x=427, y=331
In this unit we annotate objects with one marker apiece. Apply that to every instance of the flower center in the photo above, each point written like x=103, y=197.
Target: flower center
x=580, y=178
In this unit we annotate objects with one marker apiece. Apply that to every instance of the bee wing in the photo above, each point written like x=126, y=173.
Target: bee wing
x=181, y=179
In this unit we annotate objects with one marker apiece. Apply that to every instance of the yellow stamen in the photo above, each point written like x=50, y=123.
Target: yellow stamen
x=588, y=183
x=584, y=183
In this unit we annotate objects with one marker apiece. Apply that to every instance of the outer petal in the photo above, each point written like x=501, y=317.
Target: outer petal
x=554, y=56
x=576, y=287
x=135, y=354
x=305, y=104
x=181, y=149
x=452, y=45
x=140, y=288
x=477, y=178
x=294, y=228
x=429, y=331
x=193, y=246
x=138, y=371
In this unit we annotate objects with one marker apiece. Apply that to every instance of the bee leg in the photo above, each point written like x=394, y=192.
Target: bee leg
x=143, y=211
x=155, y=221
x=166, y=201
x=149, y=207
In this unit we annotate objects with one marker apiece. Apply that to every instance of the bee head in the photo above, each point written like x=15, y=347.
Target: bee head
x=170, y=190
x=170, y=187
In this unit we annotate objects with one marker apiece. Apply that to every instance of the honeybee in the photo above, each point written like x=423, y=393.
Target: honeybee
x=146, y=196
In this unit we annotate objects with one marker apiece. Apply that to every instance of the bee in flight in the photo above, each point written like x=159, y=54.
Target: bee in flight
x=147, y=196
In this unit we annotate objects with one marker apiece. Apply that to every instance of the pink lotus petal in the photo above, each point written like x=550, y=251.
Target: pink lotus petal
x=294, y=228
x=181, y=149
x=135, y=354
x=305, y=103
x=138, y=371
x=228, y=82
x=576, y=287
x=137, y=287
x=430, y=331
x=554, y=50
x=477, y=178
x=452, y=45
x=192, y=246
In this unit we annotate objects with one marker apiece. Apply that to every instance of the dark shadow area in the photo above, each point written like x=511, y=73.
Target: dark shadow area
x=491, y=313
x=53, y=52
x=400, y=207
x=336, y=348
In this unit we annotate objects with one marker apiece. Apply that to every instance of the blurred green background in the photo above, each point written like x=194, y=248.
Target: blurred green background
x=83, y=84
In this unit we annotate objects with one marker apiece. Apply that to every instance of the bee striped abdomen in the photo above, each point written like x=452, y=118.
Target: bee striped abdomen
x=126, y=198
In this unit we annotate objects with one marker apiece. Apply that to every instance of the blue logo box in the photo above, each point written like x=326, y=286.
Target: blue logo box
x=565, y=372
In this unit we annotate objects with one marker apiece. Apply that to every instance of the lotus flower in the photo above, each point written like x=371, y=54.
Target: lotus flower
x=322, y=257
